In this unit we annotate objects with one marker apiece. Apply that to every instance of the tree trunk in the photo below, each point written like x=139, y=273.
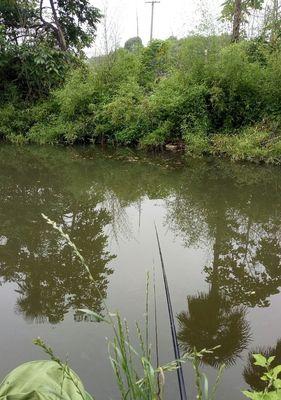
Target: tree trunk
x=237, y=19
x=217, y=253
x=275, y=21
x=56, y=28
x=59, y=32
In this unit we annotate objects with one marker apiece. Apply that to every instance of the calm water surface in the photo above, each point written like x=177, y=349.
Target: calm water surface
x=219, y=224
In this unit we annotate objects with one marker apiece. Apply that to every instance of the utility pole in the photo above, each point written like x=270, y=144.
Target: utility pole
x=152, y=2
x=137, y=15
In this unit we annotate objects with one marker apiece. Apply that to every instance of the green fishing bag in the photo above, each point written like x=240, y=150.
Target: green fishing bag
x=42, y=380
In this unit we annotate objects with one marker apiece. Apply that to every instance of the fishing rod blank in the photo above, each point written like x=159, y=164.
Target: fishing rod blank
x=182, y=389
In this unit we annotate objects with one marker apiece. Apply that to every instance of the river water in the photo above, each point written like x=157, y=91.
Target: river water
x=219, y=226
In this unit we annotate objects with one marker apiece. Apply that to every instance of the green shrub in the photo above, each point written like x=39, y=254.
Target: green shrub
x=76, y=96
x=197, y=144
x=253, y=144
x=120, y=119
x=14, y=121
x=272, y=85
x=204, y=91
x=154, y=62
x=236, y=89
x=158, y=137
x=271, y=377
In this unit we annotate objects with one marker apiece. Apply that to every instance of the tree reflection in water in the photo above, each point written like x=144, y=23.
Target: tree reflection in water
x=49, y=279
x=212, y=321
x=232, y=209
x=229, y=211
x=236, y=210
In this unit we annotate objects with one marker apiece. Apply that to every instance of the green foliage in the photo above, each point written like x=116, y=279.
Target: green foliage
x=39, y=43
x=31, y=72
x=196, y=144
x=272, y=85
x=271, y=377
x=116, y=125
x=235, y=92
x=78, y=20
x=214, y=96
x=65, y=25
x=153, y=62
x=158, y=137
x=133, y=44
x=253, y=144
x=204, y=392
x=246, y=6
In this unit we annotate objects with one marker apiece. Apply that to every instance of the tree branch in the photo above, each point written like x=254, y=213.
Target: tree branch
x=56, y=29
x=61, y=37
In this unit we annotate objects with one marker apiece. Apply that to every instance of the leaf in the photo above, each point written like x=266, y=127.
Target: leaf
x=250, y=395
x=276, y=371
x=260, y=360
x=205, y=386
x=97, y=317
x=270, y=359
x=277, y=383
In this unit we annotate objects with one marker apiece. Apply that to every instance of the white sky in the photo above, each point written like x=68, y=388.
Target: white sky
x=172, y=17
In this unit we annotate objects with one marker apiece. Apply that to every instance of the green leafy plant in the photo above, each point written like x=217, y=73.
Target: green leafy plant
x=270, y=377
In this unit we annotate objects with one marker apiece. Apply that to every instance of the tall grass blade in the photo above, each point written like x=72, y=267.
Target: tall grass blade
x=181, y=382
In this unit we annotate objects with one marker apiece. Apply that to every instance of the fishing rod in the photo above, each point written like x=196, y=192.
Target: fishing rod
x=182, y=389
x=156, y=331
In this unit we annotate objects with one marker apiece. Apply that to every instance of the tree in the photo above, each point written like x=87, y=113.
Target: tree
x=19, y=20
x=154, y=59
x=213, y=321
x=237, y=11
x=67, y=25
x=272, y=21
x=237, y=19
x=39, y=41
x=133, y=44
x=110, y=32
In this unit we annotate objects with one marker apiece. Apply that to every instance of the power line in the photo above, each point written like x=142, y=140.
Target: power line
x=152, y=2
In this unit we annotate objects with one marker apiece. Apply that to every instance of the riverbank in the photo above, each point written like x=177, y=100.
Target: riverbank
x=210, y=95
x=254, y=144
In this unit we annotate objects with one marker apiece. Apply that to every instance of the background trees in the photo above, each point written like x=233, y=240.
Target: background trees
x=67, y=25
x=38, y=42
x=202, y=92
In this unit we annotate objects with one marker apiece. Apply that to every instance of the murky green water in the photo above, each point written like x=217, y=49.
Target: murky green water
x=219, y=224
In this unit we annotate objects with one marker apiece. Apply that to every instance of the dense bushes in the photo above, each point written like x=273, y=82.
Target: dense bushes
x=215, y=96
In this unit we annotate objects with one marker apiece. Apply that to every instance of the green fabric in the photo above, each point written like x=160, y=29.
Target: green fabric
x=41, y=380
